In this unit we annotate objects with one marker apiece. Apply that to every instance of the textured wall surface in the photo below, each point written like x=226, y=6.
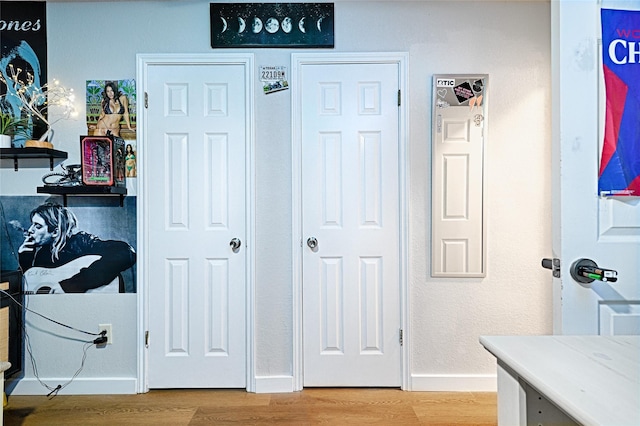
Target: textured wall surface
x=509, y=41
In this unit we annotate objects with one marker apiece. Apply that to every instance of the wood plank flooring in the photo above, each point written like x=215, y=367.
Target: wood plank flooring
x=313, y=406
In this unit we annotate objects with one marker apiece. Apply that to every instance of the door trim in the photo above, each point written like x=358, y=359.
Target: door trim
x=298, y=61
x=143, y=62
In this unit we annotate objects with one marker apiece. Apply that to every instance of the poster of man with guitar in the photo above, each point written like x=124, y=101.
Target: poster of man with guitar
x=57, y=258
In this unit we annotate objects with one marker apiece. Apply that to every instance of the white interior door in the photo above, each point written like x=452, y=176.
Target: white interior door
x=196, y=148
x=350, y=224
x=605, y=230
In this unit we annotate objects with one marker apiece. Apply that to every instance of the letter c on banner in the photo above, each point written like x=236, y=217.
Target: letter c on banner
x=612, y=52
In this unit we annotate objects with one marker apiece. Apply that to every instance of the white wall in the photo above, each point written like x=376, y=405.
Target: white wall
x=510, y=41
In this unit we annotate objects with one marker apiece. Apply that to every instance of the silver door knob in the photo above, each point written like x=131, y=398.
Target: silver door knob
x=235, y=244
x=312, y=242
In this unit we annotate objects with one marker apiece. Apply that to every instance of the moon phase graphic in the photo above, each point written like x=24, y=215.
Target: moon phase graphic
x=272, y=25
x=280, y=25
x=286, y=25
x=256, y=27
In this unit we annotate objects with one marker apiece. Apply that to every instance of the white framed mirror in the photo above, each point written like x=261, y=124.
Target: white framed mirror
x=459, y=126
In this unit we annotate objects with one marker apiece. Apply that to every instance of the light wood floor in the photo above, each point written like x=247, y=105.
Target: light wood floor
x=237, y=407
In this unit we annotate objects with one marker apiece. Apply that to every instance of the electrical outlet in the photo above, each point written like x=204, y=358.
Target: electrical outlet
x=109, y=334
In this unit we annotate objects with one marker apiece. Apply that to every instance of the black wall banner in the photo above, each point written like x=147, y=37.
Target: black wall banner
x=23, y=51
x=291, y=25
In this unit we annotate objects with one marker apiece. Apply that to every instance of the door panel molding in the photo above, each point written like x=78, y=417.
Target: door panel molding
x=143, y=62
x=298, y=62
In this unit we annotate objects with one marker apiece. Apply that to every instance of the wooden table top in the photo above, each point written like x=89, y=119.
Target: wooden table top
x=593, y=379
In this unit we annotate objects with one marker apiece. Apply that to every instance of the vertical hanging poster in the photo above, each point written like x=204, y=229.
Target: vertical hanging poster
x=620, y=161
x=111, y=110
x=23, y=55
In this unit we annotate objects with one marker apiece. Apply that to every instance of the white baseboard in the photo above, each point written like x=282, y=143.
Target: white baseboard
x=264, y=384
x=274, y=384
x=419, y=383
x=79, y=386
x=453, y=383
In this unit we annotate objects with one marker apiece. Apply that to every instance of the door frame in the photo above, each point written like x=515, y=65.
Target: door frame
x=298, y=61
x=143, y=62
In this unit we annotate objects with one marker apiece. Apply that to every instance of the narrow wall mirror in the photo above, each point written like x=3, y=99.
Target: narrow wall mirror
x=459, y=125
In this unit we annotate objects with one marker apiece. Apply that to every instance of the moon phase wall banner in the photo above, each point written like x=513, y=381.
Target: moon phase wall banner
x=620, y=161
x=271, y=24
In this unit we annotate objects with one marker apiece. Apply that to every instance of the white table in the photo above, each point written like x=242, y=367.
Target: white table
x=589, y=380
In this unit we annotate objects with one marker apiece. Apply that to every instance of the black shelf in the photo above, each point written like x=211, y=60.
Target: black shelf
x=84, y=190
x=33, y=156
